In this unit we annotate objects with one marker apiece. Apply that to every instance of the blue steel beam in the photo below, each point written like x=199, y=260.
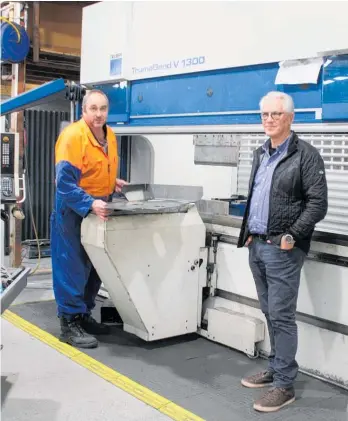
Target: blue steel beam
x=37, y=96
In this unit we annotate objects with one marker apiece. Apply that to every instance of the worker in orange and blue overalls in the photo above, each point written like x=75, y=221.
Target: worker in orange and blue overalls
x=86, y=170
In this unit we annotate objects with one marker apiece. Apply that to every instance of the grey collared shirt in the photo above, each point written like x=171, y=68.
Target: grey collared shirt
x=259, y=206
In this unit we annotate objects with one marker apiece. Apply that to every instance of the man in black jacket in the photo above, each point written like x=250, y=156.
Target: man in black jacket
x=287, y=198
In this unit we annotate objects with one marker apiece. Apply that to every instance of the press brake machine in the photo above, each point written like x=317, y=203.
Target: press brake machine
x=167, y=256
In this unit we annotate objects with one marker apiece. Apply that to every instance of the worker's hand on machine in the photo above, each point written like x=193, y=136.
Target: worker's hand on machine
x=100, y=209
x=119, y=184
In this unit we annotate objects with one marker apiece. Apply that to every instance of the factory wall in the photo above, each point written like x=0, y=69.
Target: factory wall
x=60, y=26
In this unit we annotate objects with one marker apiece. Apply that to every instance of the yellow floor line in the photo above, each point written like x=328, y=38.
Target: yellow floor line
x=165, y=406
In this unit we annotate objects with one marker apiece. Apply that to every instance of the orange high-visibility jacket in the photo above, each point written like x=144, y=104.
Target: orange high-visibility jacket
x=83, y=170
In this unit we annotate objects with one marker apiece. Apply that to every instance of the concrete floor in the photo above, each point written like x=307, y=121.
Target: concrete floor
x=40, y=384
x=201, y=376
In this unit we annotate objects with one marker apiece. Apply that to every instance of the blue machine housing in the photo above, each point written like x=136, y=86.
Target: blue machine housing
x=335, y=89
x=229, y=96
x=14, y=45
x=220, y=97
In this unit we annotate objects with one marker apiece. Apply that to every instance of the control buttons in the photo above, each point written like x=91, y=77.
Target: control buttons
x=6, y=187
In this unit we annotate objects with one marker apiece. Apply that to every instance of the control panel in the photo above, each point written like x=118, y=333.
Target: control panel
x=9, y=148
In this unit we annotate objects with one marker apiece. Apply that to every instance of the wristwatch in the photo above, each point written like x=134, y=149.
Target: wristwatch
x=289, y=239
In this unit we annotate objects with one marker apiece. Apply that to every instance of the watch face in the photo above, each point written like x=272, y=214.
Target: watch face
x=289, y=239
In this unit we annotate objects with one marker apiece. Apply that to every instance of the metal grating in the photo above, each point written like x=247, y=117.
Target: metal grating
x=42, y=129
x=333, y=147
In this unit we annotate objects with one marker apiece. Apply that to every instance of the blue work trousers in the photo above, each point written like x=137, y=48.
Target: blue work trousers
x=75, y=280
x=277, y=278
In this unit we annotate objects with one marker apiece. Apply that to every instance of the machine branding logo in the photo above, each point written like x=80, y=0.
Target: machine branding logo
x=116, y=64
x=172, y=65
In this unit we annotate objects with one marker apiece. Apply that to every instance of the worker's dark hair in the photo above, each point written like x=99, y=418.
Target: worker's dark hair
x=91, y=92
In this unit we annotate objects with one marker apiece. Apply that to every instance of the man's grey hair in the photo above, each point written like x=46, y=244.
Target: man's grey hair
x=91, y=92
x=288, y=102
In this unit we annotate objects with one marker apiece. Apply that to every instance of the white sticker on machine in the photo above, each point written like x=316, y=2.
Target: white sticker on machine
x=116, y=64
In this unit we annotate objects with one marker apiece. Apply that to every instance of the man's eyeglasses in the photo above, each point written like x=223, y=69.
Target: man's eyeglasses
x=275, y=115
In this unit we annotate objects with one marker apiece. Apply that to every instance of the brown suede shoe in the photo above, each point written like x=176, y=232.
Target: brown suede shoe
x=263, y=379
x=275, y=399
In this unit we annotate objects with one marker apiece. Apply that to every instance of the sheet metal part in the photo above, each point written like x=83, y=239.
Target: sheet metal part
x=124, y=207
x=162, y=191
x=155, y=199
x=138, y=192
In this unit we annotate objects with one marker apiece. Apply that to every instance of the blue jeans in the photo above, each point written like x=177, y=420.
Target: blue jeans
x=276, y=274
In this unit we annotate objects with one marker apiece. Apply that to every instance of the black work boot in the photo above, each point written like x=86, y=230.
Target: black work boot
x=91, y=326
x=72, y=333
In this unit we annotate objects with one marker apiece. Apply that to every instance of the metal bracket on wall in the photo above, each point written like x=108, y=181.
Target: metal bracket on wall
x=217, y=149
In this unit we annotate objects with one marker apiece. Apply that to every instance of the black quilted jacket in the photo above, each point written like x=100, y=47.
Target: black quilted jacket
x=298, y=198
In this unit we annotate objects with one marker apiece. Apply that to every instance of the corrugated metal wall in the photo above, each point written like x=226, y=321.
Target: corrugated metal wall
x=333, y=147
x=42, y=129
